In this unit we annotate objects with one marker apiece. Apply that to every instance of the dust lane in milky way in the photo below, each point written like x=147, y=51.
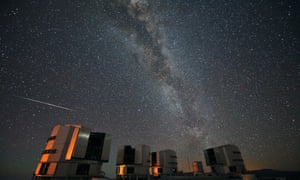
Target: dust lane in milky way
x=153, y=55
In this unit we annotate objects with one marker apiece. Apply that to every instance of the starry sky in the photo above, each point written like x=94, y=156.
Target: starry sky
x=173, y=74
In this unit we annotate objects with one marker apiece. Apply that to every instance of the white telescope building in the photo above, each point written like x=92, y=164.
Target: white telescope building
x=133, y=162
x=226, y=159
x=163, y=163
x=73, y=152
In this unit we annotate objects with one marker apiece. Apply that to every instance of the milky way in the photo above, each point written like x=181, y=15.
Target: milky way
x=182, y=75
x=153, y=55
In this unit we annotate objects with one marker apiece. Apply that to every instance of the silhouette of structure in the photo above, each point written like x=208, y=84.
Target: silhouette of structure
x=77, y=153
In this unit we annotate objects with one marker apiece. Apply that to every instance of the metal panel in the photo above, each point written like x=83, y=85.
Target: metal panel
x=72, y=144
x=81, y=143
x=120, y=155
x=106, y=148
x=138, y=154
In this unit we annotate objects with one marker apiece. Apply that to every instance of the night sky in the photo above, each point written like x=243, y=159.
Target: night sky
x=172, y=74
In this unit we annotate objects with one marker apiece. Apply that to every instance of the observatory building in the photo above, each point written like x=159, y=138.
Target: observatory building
x=197, y=168
x=73, y=152
x=133, y=163
x=163, y=163
x=226, y=159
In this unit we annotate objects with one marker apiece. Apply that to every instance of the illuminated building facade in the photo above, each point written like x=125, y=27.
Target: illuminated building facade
x=197, y=168
x=163, y=163
x=133, y=163
x=226, y=159
x=73, y=152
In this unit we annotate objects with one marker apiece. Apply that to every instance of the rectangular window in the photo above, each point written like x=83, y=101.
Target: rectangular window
x=44, y=168
x=49, y=151
x=51, y=138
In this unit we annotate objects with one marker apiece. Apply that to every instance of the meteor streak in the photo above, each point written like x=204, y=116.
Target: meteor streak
x=45, y=103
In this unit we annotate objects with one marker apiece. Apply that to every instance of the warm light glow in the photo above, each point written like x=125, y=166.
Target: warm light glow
x=155, y=171
x=38, y=168
x=72, y=144
x=50, y=144
x=51, y=169
x=45, y=157
x=55, y=130
x=196, y=167
x=122, y=170
x=251, y=166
